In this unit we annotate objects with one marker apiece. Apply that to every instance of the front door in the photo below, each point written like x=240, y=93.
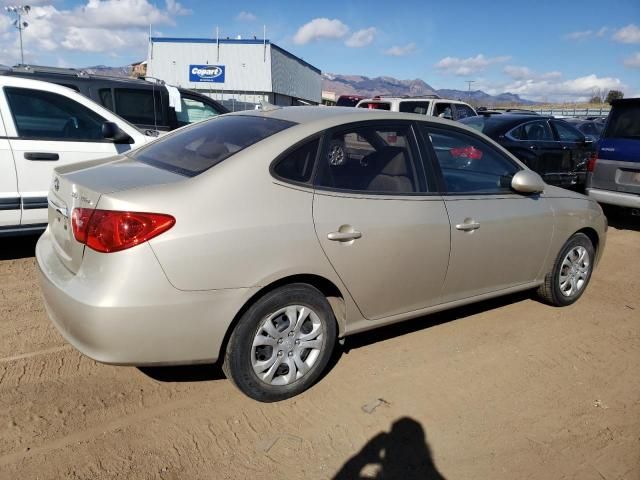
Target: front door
x=386, y=236
x=49, y=130
x=9, y=197
x=499, y=239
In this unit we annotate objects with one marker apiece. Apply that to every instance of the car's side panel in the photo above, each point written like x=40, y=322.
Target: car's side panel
x=9, y=197
x=400, y=261
x=508, y=249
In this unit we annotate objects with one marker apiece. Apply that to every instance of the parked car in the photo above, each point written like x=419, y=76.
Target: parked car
x=240, y=238
x=614, y=175
x=145, y=104
x=348, y=100
x=42, y=126
x=549, y=146
x=431, y=105
x=591, y=129
x=500, y=111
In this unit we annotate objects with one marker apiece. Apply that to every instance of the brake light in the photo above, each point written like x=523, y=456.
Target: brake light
x=470, y=152
x=591, y=164
x=111, y=231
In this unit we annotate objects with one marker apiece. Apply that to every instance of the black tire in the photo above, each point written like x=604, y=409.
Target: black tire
x=239, y=355
x=550, y=291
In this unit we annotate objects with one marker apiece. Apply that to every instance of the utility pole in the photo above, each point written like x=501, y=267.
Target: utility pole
x=19, y=11
x=469, y=82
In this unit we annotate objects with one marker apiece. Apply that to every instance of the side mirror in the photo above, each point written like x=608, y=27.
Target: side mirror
x=112, y=131
x=526, y=181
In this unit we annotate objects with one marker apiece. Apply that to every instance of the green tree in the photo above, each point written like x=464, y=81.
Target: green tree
x=614, y=95
x=595, y=99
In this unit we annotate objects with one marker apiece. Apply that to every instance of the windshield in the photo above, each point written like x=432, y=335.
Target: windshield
x=623, y=121
x=192, y=150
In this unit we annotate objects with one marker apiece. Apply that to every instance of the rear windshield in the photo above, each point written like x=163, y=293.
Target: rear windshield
x=199, y=147
x=345, y=101
x=624, y=121
x=375, y=105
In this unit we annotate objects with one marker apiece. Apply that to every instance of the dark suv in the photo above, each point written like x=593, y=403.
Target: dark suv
x=143, y=103
x=614, y=176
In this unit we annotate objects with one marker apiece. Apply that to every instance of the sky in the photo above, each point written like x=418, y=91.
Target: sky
x=543, y=50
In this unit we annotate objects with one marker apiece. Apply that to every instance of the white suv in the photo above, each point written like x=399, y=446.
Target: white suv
x=423, y=105
x=43, y=126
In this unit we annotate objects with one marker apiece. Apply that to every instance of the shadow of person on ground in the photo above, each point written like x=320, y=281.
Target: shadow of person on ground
x=20, y=246
x=402, y=453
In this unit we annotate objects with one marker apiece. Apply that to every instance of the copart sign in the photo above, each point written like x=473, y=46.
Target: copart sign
x=206, y=73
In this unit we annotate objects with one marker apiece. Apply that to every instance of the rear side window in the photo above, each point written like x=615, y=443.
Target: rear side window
x=141, y=106
x=201, y=146
x=469, y=165
x=49, y=116
x=623, y=122
x=297, y=166
x=375, y=105
x=421, y=108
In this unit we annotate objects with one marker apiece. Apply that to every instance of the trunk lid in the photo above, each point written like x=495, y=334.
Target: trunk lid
x=82, y=185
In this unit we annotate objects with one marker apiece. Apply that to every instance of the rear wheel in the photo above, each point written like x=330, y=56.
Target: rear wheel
x=281, y=344
x=571, y=272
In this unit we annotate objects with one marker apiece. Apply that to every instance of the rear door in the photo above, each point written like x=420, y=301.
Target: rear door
x=48, y=130
x=499, y=238
x=385, y=233
x=618, y=165
x=9, y=198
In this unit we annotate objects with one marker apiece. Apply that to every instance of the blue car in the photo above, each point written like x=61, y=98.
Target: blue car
x=613, y=176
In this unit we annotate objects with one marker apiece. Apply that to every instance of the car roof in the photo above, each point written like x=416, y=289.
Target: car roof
x=11, y=81
x=332, y=116
x=498, y=124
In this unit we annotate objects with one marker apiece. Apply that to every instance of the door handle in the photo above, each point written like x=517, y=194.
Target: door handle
x=533, y=147
x=41, y=156
x=343, y=236
x=468, y=226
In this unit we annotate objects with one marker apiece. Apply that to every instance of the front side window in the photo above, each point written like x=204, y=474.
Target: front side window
x=421, y=108
x=468, y=164
x=201, y=146
x=464, y=111
x=49, y=116
x=566, y=133
x=194, y=111
x=538, y=131
x=443, y=110
x=140, y=106
x=297, y=165
x=369, y=159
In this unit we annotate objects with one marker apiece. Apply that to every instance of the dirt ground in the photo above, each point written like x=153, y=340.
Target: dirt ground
x=507, y=389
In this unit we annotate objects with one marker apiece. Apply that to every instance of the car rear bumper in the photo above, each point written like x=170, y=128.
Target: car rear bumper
x=609, y=197
x=121, y=309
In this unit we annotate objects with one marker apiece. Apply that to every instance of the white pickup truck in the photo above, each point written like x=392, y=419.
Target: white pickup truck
x=43, y=126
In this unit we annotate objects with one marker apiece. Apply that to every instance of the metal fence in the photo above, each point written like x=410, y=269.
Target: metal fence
x=573, y=112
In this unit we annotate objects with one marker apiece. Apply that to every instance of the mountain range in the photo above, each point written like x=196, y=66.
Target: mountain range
x=370, y=87
x=361, y=85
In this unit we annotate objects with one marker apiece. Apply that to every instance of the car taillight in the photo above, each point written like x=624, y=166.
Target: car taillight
x=591, y=164
x=111, y=231
x=469, y=152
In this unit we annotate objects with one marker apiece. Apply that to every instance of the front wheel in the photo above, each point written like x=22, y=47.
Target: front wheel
x=571, y=272
x=281, y=344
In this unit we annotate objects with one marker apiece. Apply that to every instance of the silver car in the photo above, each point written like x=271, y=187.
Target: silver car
x=250, y=239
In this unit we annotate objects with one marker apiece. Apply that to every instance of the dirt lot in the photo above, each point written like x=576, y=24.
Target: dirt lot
x=508, y=389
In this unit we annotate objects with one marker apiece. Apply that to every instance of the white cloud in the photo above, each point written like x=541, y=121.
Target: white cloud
x=246, y=17
x=579, y=35
x=361, y=38
x=401, y=50
x=176, y=8
x=602, y=32
x=549, y=89
x=525, y=73
x=320, y=28
x=633, y=61
x=468, y=66
x=95, y=26
x=628, y=34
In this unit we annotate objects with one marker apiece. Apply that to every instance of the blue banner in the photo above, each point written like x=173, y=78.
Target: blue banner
x=206, y=73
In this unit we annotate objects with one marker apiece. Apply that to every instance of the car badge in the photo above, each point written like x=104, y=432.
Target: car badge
x=56, y=184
